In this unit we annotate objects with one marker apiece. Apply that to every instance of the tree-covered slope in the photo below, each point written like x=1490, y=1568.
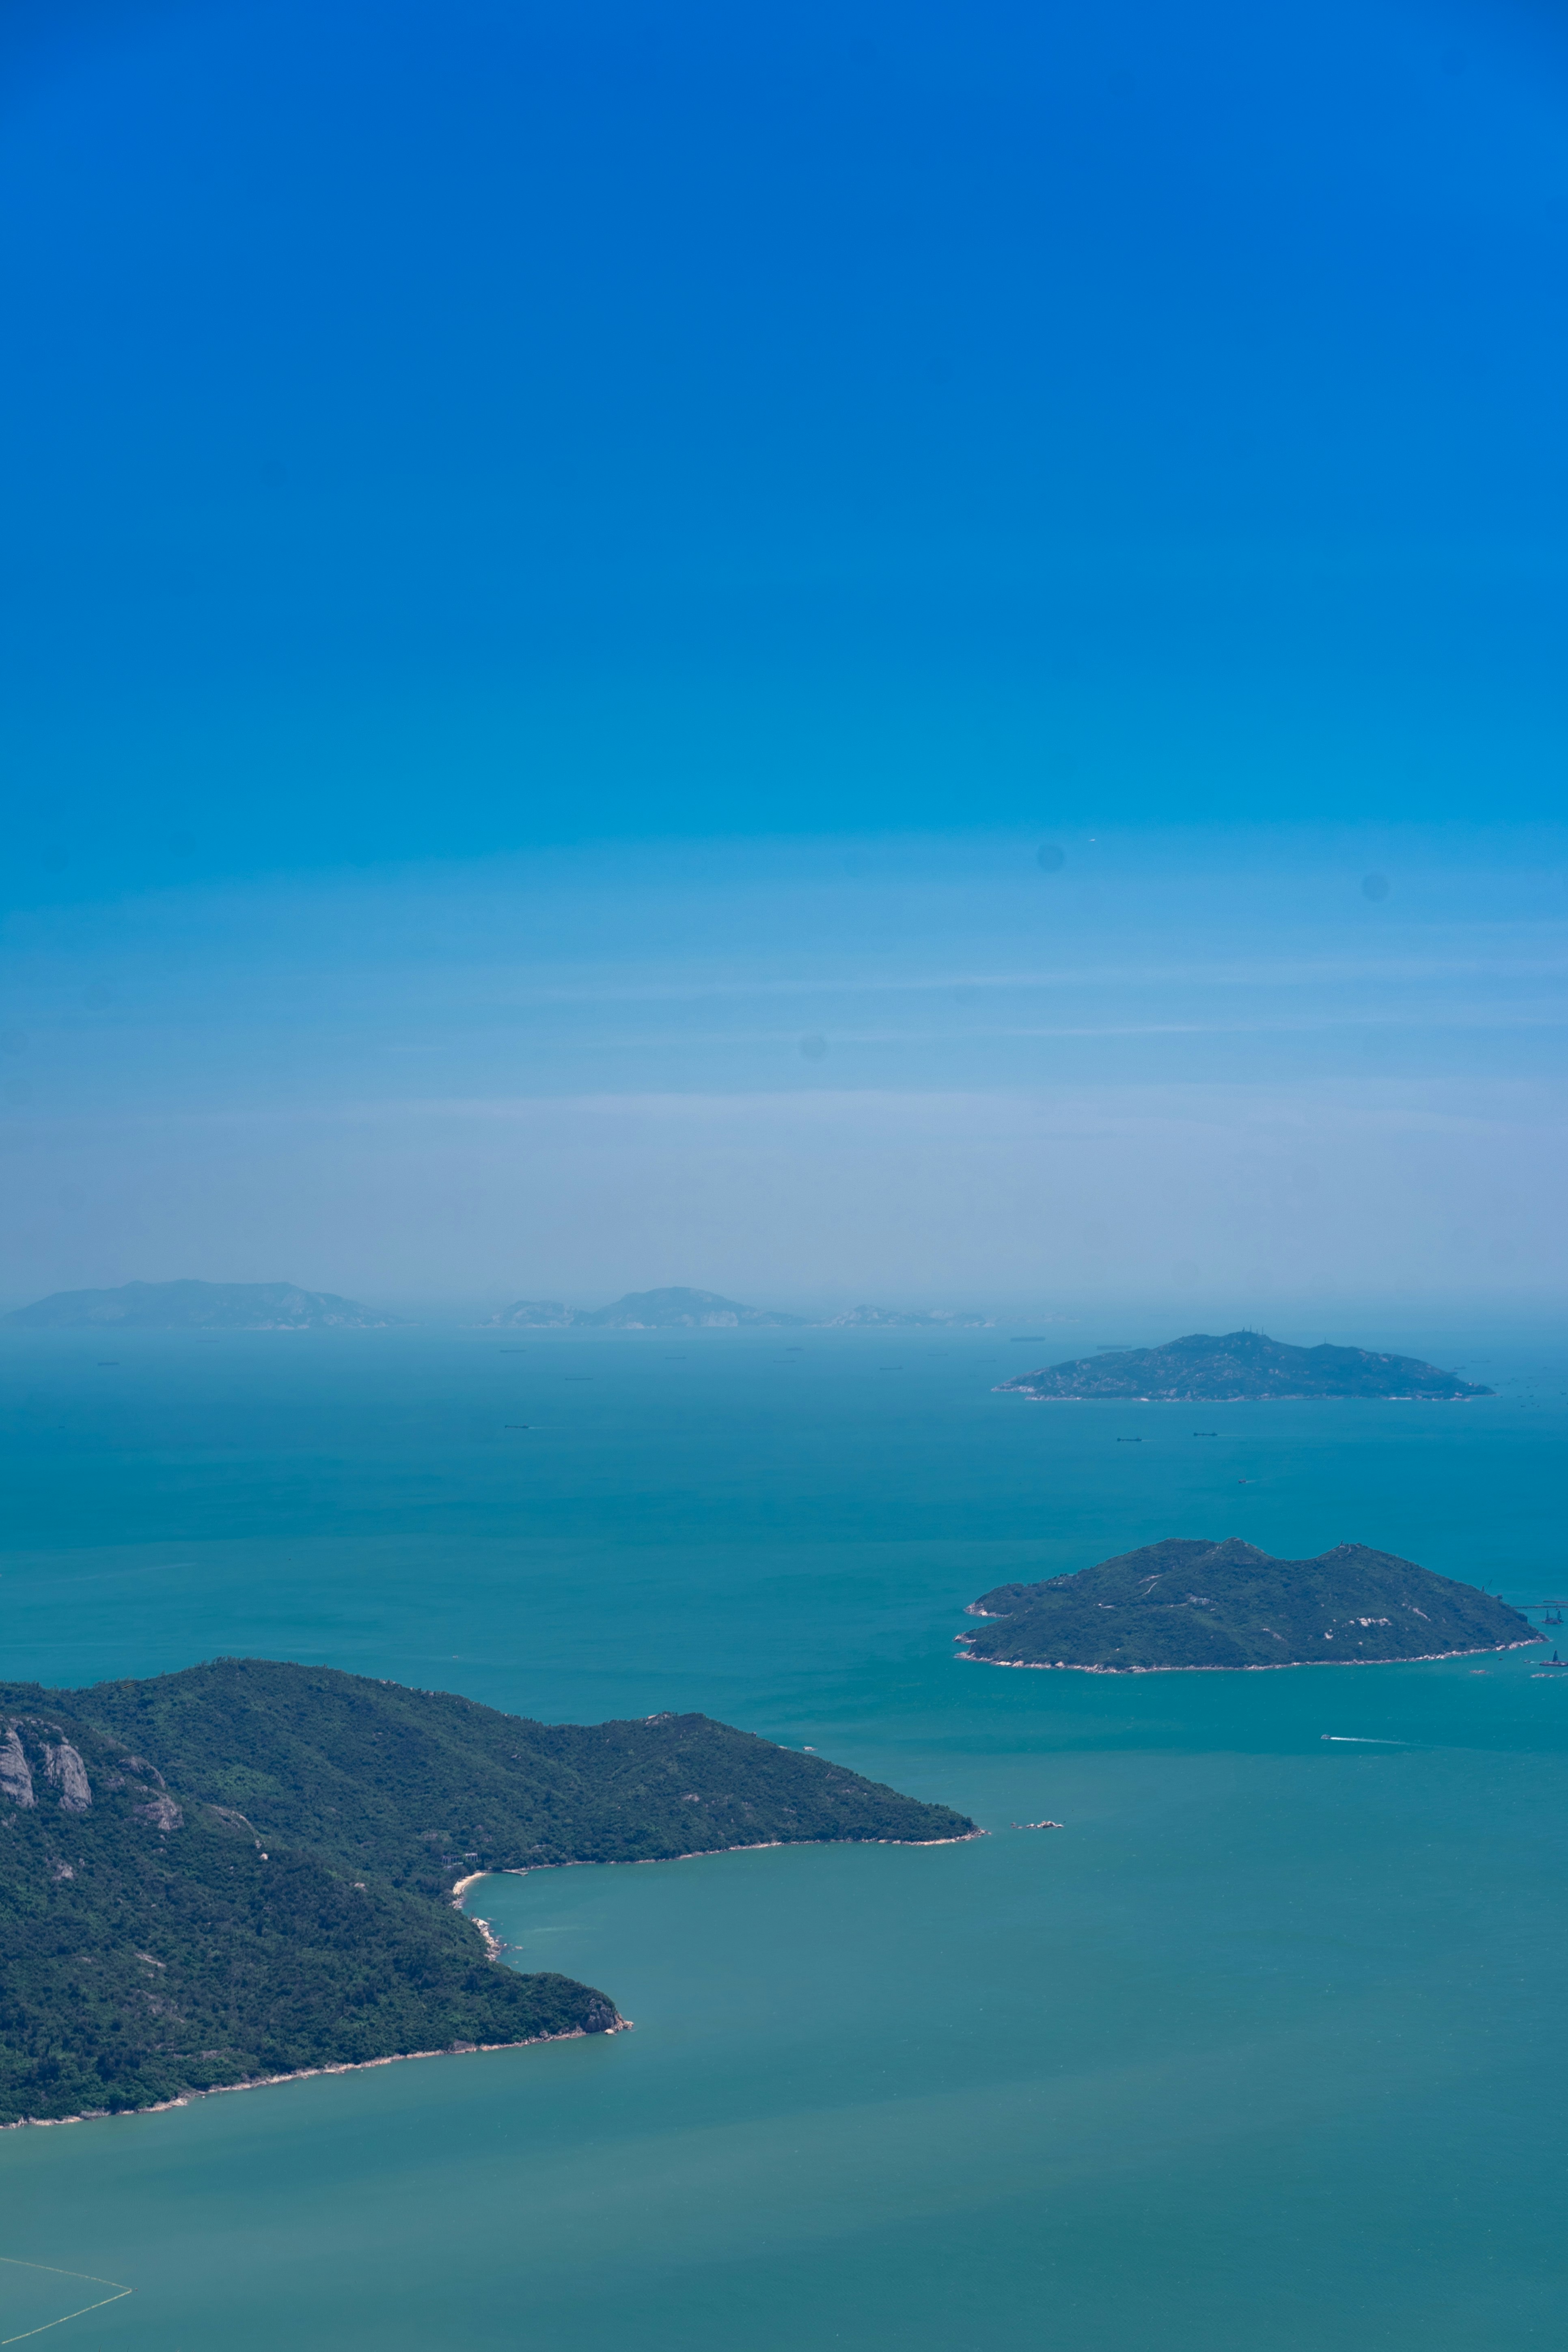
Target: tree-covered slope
x=1243, y=1367
x=371, y=1773
x=246, y=1868
x=1190, y=1602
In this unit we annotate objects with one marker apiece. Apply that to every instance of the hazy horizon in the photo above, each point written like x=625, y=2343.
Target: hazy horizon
x=565, y=573
x=924, y=1072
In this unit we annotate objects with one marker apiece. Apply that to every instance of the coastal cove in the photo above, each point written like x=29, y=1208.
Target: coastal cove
x=1262, y=1976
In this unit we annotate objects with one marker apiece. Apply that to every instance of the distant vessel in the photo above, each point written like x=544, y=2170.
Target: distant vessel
x=1038, y=1826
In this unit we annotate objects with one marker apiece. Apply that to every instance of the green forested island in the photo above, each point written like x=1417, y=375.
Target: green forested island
x=1244, y=1367
x=1190, y=1602
x=247, y=1868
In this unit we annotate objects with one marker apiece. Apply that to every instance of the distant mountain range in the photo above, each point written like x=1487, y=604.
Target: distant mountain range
x=691, y=1310
x=284, y=1306
x=887, y=1319
x=1189, y=1601
x=199, y=1306
x=644, y=1310
x=1243, y=1367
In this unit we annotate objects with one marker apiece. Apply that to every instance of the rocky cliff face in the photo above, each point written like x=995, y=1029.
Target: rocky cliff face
x=16, y=1772
x=60, y=1763
x=68, y=1775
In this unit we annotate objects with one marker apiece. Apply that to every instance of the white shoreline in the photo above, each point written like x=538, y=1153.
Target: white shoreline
x=494, y=1948
x=703, y=1854
x=305, y=2075
x=1282, y=1667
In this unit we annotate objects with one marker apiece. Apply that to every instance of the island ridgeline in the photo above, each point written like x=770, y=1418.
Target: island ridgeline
x=1190, y=1602
x=1244, y=1367
x=198, y=1307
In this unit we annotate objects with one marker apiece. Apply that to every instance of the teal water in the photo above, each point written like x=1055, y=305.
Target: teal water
x=1257, y=2050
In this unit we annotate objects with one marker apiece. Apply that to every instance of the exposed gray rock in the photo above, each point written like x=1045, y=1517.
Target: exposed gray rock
x=163, y=1811
x=230, y=1818
x=68, y=1773
x=16, y=1772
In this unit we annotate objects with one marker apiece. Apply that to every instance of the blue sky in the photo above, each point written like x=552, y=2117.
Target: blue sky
x=554, y=554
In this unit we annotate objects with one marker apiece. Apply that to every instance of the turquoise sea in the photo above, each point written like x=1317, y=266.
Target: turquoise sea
x=1258, y=2051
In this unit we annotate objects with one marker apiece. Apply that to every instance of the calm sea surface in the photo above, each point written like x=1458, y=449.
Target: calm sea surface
x=1261, y=2050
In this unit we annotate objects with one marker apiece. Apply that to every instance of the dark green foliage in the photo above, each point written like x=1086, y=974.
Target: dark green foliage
x=1243, y=1366
x=1189, y=1601
x=146, y=1945
x=391, y=1779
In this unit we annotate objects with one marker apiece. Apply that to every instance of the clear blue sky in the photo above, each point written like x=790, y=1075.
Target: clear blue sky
x=444, y=440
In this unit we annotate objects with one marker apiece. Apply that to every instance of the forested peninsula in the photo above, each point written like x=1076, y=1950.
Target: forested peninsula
x=246, y=1869
x=1242, y=1368
x=1189, y=1601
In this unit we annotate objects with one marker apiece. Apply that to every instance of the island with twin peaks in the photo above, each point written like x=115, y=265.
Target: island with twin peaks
x=1244, y=1367
x=1189, y=1601
x=247, y=1870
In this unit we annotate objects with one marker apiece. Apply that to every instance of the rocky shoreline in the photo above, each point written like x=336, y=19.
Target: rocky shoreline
x=1280, y=1666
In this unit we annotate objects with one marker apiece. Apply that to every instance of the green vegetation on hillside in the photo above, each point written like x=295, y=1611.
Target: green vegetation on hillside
x=1189, y=1601
x=1244, y=1367
x=246, y=1868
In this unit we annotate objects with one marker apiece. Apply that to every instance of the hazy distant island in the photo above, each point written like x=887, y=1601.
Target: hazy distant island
x=645, y=1310
x=199, y=1306
x=887, y=1319
x=1241, y=1368
x=246, y=1869
x=682, y=1310
x=1190, y=1602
